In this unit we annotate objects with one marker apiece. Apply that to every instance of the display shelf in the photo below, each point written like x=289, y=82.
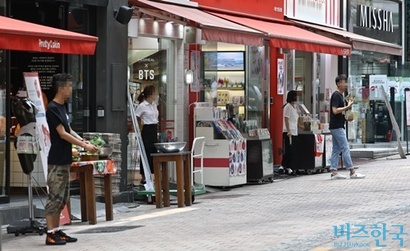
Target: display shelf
x=224, y=152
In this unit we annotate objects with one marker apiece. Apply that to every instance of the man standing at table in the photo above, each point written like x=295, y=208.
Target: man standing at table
x=59, y=158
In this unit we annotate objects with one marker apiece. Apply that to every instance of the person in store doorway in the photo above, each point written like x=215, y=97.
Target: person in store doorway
x=147, y=115
x=290, y=131
x=337, y=129
x=59, y=158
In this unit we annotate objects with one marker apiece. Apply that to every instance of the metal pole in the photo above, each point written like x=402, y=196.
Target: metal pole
x=148, y=178
x=30, y=199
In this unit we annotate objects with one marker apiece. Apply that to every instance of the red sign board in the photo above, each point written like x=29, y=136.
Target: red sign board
x=265, y=8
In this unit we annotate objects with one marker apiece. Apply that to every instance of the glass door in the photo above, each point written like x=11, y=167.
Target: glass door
x=151, y=62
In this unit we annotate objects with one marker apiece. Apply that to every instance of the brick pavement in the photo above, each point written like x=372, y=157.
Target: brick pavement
x=290, y=214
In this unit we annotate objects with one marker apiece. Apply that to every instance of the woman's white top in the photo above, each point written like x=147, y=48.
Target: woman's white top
x=291, y=113
x=148, y=113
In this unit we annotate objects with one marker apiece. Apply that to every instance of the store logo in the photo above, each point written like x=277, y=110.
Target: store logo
x=146, y=74
x=374, y=18
x=345, y=52
x=48, y=44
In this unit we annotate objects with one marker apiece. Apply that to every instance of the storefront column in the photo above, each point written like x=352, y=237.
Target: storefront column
x=111, y=78
x=276, y=103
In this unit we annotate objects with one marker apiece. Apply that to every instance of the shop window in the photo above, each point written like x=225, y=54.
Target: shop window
x=154, y=65
x=79, y=109
x=4, y=127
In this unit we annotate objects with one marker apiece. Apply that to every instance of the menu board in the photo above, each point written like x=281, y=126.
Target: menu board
x=46, y=66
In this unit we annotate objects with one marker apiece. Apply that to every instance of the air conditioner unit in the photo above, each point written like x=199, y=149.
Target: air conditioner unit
x=193, y=35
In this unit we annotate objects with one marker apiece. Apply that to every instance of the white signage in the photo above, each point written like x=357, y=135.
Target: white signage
x=375, y=85
x=147, y=73
x=376, y=19
x=325, y=12
x=35, y=95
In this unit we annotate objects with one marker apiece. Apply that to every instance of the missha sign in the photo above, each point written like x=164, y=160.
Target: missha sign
x=375, y=18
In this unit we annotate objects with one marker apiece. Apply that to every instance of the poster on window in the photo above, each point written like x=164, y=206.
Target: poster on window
x=35, y=94
x=405, y=84
x=376, y=83
x=195, y=67
x=394, y=82
x=281, y=77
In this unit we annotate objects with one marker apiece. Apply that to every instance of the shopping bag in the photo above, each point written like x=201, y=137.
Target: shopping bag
x=65, y=218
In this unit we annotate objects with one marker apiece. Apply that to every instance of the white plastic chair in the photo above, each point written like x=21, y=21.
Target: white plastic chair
x=197, y=151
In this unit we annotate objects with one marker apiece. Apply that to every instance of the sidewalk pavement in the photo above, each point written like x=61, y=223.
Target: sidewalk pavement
x=290, y=214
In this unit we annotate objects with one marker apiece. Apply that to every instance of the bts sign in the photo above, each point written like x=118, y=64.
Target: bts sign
x=374, y=18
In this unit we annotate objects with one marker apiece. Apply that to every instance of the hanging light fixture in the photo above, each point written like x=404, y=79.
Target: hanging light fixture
x=189, y=77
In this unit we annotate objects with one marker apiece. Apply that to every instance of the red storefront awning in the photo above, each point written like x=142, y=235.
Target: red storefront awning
x=292, y=37
x=213, y=28
x=24, y=36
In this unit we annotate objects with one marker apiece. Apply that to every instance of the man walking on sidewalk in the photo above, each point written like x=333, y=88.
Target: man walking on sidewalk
x=337, y=129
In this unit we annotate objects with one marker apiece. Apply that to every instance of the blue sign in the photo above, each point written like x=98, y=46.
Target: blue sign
x=360, y=235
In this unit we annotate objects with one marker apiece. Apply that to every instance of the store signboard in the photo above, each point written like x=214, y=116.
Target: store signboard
x=376, y=19
x=281, y=77
x=35, y=95
x=262, y=8
x=376, y=82
x=325, y=12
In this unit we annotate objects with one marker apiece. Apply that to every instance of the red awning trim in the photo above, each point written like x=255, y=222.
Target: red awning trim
x=233, y=37
x=310, y=47
x=213, y=28
x=24, y=36
x=359, y=42
x=292, y=37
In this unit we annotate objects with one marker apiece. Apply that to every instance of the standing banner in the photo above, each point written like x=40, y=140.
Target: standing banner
x=396, y=127
x=34, y=94
x=281, y=77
